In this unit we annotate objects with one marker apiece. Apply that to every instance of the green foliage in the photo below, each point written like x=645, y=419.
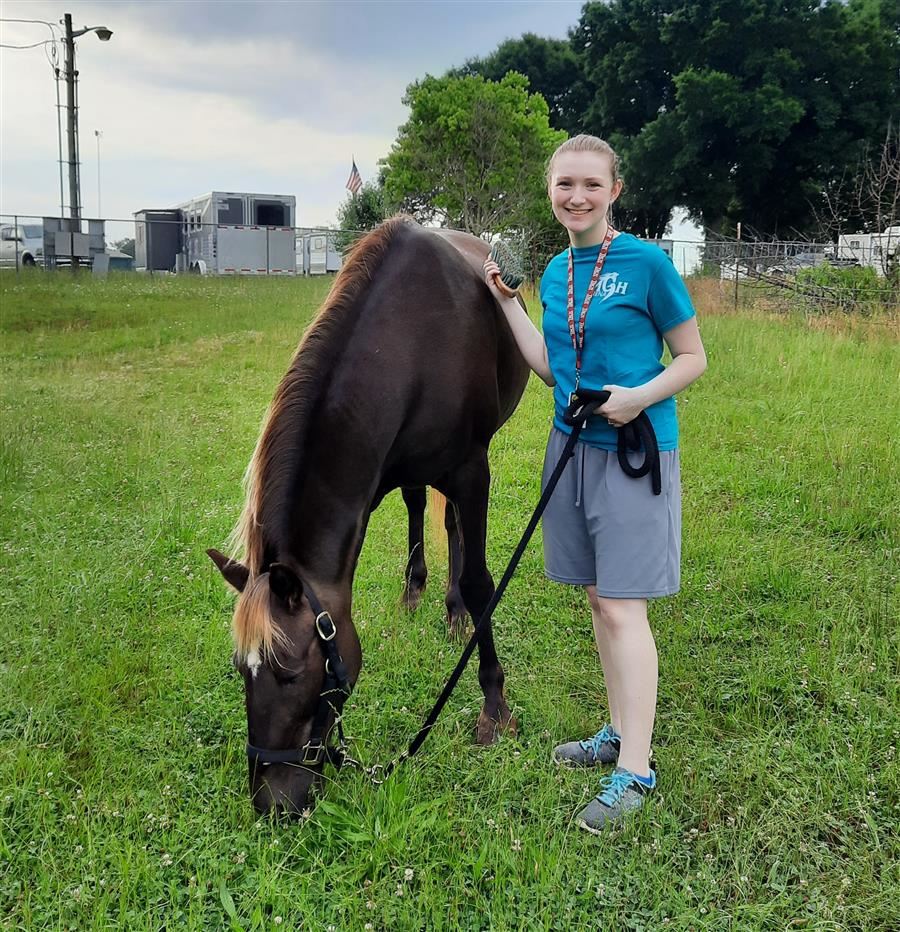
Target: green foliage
x=858, y=288
x=739, y=110
x=746, y=106
x=553, y=71
x=360, y=212
x=472, y=154
x=125, y=245
x=130, y=408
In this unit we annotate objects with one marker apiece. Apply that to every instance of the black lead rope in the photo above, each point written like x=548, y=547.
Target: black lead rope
x=630, y=437
x=634, y=435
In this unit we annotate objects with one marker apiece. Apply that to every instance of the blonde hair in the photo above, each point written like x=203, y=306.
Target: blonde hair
x=586, y=143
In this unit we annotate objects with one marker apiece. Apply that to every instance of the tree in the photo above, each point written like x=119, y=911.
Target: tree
x=553, y=71
x=867, y=200
x=361, y=211
x=738, y=109
x=472, y=154
x=125, y=245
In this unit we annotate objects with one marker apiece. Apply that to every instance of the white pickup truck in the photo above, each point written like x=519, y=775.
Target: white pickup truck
x=22, y=244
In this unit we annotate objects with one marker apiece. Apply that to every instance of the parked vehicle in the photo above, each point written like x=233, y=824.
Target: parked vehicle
x=880, y=251
x=23, y=243
x=793, y=264
x=223, y=232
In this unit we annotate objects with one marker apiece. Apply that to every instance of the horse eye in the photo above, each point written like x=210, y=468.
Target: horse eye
x=287, y=678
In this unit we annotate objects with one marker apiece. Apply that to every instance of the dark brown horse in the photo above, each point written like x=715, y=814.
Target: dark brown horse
x=401, y=381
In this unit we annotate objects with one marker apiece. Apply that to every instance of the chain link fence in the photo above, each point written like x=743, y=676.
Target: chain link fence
x=811, y=275
x=815, y=276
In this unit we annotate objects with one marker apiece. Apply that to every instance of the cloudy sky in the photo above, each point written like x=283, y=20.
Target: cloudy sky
x=270, y=97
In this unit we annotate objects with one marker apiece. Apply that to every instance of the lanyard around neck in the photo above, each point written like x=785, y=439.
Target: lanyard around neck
x=577, y=334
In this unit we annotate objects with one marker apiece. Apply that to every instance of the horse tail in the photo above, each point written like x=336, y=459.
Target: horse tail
x=437, y=510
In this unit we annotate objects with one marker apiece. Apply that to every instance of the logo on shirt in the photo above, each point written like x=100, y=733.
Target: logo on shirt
x=609, y=285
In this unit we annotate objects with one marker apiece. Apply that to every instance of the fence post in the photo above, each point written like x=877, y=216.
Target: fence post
x=16, y=240
x=737, y=265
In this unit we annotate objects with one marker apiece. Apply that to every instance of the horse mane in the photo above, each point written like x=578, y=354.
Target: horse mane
x=278, y=453
x=253, y=627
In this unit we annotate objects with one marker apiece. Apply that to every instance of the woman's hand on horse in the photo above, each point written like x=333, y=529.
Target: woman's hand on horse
x=623, y=406
x=491, y=271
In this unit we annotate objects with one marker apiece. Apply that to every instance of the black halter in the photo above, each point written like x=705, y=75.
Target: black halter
x=335, y=691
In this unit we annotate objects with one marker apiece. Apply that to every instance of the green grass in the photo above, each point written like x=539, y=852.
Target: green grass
x=130, y=408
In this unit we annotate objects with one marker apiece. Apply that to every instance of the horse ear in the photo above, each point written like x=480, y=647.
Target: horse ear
x=285, y=583
x=236, y=574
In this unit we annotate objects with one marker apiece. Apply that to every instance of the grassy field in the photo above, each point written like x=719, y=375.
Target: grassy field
x=130, y=408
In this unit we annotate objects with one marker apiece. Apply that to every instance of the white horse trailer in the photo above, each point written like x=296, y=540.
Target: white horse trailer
x=234, y=233
x=317, y=253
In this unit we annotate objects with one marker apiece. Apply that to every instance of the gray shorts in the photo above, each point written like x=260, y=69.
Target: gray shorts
x=602, y=527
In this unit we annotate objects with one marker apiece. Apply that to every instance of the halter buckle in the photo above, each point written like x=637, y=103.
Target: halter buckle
x=320, y=632
x=313, y=752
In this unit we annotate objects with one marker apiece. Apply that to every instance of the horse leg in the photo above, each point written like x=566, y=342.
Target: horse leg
x=456, y=607
x=416, y=571
x=470, y=494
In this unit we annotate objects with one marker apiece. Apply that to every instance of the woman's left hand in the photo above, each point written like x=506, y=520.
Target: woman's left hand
x=623, y=406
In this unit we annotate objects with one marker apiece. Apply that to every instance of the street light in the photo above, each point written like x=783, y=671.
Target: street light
x=104, y=35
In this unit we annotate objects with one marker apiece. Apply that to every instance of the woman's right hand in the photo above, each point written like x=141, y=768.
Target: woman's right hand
x=491, y=272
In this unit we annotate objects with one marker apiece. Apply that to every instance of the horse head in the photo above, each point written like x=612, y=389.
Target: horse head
x=292, y=696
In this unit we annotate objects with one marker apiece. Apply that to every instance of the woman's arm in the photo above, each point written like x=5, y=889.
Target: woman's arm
x=687, y=365
x=528, y=338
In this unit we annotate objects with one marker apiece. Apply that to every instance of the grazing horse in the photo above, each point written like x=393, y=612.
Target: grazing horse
x=401, y=380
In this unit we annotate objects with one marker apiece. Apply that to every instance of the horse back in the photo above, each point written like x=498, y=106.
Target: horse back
x=431, y=344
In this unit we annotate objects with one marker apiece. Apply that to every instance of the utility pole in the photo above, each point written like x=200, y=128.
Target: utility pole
x=72, y=129
x=99, y=136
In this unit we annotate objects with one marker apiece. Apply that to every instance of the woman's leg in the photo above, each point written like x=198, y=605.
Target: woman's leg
x=628, y=655
x=609, y=671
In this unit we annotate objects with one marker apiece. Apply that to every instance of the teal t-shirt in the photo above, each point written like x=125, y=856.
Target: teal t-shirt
x=638, y=298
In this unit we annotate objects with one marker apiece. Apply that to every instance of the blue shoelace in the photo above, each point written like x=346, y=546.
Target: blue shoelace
x=613, y=787
x=605, y=736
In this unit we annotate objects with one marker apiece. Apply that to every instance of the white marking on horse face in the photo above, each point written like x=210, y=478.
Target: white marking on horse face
x=253, y=662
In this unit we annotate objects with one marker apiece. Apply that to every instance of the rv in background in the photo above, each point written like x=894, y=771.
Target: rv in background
x=879, y=251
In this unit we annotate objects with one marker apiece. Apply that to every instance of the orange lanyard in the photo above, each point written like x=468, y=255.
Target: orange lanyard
x=577, y=335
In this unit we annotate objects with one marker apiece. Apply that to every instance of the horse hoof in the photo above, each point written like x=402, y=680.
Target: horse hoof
x=456, y=627
x=411, y=598
x=488, y=730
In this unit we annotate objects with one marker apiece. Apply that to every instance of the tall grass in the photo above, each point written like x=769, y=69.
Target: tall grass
x=130, y=408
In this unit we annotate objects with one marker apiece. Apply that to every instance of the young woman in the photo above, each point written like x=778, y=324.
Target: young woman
x=609, y=302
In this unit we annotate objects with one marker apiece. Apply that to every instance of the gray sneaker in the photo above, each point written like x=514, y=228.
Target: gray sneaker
x=621, y=792
x=603, y=748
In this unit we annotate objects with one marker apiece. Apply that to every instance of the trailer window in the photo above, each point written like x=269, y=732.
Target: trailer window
x=271, y=214
x=231, y=210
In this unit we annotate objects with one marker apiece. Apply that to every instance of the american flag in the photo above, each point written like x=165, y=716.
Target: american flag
x=354, y=182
